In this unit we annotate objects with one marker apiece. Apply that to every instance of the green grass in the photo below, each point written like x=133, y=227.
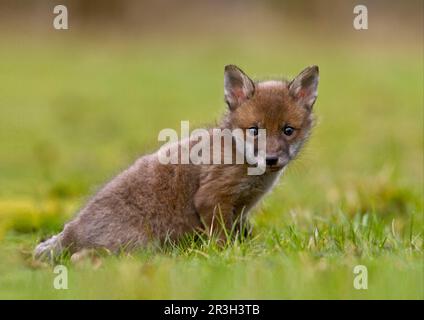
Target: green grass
x=74, y=113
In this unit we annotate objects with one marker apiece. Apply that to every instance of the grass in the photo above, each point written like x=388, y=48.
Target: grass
x=75, y=113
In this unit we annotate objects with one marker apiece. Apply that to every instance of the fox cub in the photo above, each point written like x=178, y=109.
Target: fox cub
x=155, y=202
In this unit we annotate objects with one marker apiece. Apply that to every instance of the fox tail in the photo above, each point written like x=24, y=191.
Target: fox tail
x=50, y=248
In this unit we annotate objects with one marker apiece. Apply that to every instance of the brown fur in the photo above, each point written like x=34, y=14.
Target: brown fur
x=152, y=202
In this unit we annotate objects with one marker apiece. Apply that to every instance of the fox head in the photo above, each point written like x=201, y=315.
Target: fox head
x=282, y=108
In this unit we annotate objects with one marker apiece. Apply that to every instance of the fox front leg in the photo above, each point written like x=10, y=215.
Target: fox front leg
x=217, y=218
x=243, y=227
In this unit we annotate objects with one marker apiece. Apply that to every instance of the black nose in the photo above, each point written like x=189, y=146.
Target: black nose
x=271, y=160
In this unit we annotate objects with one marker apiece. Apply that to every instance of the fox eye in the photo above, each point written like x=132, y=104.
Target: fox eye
x=253, y=131
x=288, y=131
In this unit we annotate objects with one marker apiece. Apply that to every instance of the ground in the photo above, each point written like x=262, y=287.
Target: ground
x=75, y=113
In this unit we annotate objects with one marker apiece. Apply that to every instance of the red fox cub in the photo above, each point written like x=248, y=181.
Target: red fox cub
x=153, y=201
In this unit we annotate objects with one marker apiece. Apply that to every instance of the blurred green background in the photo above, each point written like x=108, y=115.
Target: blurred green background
x=79, y=105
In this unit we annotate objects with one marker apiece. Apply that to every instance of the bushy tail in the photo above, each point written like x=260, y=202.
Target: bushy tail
x=50, y=248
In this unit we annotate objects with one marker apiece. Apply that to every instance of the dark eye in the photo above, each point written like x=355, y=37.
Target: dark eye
x=288, y=131
x=253, y=131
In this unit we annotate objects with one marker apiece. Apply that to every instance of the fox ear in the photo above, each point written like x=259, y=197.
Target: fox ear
x=304, y=88
x=238, y=87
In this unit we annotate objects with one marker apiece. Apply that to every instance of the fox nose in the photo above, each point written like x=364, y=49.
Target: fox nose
x=271, y=160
